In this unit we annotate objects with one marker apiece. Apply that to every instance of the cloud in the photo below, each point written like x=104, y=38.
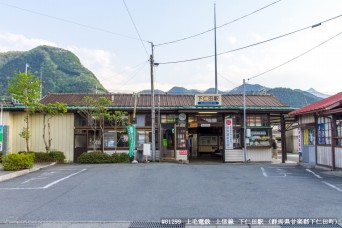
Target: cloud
x=18, y=42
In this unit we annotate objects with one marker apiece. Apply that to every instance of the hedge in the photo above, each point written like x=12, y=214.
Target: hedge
x=53, y=156
x=100, y=157
x=13, y=162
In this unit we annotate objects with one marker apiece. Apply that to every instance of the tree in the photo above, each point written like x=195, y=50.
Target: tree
x=26, y=89
x=49, y=111
x=95, y=111
x=117, y=118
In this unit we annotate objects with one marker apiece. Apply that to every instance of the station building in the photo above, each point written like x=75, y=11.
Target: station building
x=187, y=127
x=320, y=132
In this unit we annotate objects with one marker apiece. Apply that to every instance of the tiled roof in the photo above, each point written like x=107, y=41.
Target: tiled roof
x=166, y=100
x=322, y=105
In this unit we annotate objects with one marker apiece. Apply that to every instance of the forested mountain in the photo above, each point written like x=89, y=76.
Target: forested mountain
x=293, y=98
x=60, y=69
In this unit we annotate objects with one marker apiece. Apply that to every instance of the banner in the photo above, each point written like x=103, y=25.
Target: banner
x=228, y=128
x=131, y=139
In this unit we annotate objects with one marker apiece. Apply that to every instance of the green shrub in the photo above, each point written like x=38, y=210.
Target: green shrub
x=43, y=157
x=120, y=158
x=94, y=157
x=53, y=156
x=13, y=162
x=57, y=156
x=0, y=157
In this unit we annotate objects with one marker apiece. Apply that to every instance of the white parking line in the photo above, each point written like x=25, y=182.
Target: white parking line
x=333, y=186
x=35, y=178
x=48, y=185
x=263, y=171
x=318, y=176
x=64, y=178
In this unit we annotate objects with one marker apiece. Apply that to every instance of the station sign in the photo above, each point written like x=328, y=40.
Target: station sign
x=208, y=99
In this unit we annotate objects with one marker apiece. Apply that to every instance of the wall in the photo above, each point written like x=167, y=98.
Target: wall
x=62, y=133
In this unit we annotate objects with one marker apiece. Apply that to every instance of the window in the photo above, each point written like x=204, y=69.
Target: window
x=181, y=138
x=257, y=120
x=145, y=136
x=170, y=118
x=324, y=131
x=339, y=130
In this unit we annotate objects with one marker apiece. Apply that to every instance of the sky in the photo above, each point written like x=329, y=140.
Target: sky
x=113, y=39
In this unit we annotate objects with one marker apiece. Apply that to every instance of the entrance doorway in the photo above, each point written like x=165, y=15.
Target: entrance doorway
x=206, y=138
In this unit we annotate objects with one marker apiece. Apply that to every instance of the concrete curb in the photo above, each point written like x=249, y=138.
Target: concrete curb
x=23, y=172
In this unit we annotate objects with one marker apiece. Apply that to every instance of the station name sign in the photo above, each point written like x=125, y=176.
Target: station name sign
x=208, y=99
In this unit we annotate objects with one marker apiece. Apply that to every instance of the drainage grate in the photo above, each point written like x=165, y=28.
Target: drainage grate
x=154, y=225
x=311, y=226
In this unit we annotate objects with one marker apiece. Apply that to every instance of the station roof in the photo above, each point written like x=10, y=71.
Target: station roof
x=170, y=101
x=324, y=105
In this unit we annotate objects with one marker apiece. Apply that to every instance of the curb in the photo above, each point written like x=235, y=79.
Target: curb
x=22, y=172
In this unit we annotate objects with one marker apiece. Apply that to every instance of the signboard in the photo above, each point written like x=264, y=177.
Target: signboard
x=299, y=141
x=228, y=130
x=205, y=125
x=208, y=99
x=183, y=152
x=147, y=149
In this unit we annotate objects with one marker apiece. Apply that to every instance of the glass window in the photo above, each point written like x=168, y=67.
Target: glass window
x=181, y=138
x=257, y=120
x=94, y=139
x=169, y=118
x=324, y=131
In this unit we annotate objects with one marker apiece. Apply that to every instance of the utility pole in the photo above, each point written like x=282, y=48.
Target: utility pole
x=153, y=146
x=216, y=89
x=244, y=122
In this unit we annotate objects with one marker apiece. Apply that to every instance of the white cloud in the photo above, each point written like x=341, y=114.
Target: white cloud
x=18, y=42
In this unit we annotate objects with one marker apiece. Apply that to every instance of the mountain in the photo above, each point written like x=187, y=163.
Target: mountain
x=249, y=89
x=294, y=98
x=61, y=70
x=317, y=94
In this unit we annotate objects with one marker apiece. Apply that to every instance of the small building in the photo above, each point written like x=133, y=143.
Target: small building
x=320, y=132
x=188, y=127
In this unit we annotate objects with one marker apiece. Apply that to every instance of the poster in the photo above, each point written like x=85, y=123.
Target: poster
x=306, y=137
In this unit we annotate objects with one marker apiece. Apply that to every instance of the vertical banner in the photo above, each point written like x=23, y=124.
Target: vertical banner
x=305, y=137
x=1, y=136
x=228, y=129
x=131, y=139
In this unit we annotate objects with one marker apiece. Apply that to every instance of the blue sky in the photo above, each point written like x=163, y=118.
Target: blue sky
x=103, y=36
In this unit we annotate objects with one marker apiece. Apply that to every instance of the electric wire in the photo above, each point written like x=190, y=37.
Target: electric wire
x=135, y=27
x=209, y=30
x=298, y=56
x=70, y=22
x=134, y=74
x=255, y=44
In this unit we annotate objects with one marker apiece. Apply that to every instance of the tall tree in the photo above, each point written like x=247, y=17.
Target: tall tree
x=49, y=111
x=95, y=112
x=25, y=88
x=117, y=118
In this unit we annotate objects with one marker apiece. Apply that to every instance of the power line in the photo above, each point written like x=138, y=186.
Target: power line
x=311, y=49
x=255, y=44
x=136, y=29
x=209, y=30
x=70, y=21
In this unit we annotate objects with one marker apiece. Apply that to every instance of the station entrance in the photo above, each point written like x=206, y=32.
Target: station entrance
x=206, y=137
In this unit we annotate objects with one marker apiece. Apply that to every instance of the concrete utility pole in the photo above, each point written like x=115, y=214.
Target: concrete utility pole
x=153, y=146
x=244, y=122
x=216, y=89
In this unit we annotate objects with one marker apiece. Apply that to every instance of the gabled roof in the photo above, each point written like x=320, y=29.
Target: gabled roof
x=169, y=100
x=322, y=105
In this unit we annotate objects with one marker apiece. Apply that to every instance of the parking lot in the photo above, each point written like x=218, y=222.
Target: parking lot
x=149, y=192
